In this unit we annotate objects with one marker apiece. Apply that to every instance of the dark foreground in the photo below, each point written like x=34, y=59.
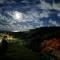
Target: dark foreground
x=18, y=52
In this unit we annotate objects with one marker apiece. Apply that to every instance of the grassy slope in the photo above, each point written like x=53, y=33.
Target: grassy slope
x=17, y=52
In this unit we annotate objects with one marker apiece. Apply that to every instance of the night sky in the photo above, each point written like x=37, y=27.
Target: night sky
x=22, y=15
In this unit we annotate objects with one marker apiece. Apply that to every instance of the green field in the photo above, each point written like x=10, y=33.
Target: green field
x=17, y=51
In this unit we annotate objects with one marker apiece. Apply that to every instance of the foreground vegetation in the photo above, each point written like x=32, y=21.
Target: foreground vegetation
x=28, y=45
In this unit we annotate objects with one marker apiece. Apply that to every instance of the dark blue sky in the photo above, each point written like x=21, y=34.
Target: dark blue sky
x=22, y=15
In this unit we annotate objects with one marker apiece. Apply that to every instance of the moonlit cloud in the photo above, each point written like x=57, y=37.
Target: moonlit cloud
x=44, y=14
x=58, y=14
x=29, y=22
x=25, y=1
x=2, y=1
x=56, y=6
x=16, y=15
x=46, y=5
x=7, y=1
x=54, y=23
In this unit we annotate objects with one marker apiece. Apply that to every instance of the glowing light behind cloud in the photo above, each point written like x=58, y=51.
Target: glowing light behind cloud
x=20, y=16
x=17, y=15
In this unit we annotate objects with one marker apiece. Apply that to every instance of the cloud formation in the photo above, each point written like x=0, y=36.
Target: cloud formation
x=54, y=23
x=16, y=15
x=47, y=5
x=58, y=14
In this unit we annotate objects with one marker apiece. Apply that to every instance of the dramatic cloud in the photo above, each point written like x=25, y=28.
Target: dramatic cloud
x=23, y=22
x=22, y=15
